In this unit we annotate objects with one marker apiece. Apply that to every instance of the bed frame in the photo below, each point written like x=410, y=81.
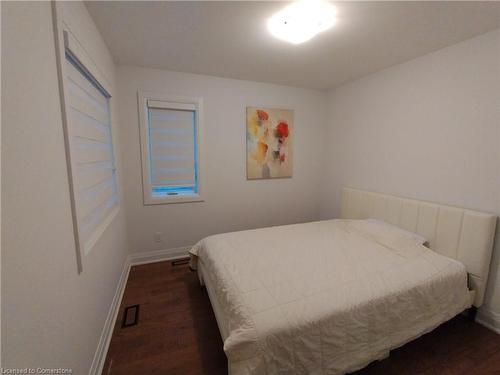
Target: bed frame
x=458, y=233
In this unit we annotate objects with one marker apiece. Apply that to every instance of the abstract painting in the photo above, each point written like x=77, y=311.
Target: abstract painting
x=269, y=143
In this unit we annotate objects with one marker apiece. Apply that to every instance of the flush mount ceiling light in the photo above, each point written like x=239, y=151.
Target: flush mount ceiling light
x=302, y=20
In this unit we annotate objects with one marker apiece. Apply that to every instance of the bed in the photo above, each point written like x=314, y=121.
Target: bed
x=329, y=297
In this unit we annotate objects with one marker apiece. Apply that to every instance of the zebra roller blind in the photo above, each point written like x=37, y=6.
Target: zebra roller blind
x=172, y=148
x=92, y=166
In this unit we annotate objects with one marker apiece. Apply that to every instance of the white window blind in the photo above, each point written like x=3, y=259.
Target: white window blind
x=172, y=148
x=94, y=184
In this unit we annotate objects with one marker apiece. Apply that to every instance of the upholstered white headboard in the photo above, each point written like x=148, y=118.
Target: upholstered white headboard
x=457, y=233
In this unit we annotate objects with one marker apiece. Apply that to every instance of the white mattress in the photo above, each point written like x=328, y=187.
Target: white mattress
x=324, y=297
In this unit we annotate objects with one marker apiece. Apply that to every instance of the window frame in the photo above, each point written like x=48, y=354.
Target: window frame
x=174, y=102
x=68, y=44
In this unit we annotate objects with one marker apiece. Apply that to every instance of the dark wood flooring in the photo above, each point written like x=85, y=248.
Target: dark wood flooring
x=177, y=335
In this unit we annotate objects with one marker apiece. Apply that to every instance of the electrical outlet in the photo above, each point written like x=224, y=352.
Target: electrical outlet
x=157, y=237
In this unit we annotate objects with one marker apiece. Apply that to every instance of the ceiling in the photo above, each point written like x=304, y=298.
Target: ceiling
x=230, y=39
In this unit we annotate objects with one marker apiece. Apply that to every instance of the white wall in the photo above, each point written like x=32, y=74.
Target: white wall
x=51, y=316
x=426, y=129
x=231, y=202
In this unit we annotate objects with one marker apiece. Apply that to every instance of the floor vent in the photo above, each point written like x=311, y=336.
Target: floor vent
x=180, y=262
x=130, y=316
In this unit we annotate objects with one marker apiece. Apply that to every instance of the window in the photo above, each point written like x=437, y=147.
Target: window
x=170, y=142
x=90, y=156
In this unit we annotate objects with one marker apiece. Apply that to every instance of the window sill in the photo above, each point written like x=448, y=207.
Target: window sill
x=186, y=198
x=99, y=231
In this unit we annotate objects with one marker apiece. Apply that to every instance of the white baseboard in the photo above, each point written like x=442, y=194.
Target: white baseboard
x=109, y=325
x=489, y=319
x=158, y=255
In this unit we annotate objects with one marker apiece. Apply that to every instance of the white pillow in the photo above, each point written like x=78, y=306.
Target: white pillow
x=402, y=241
x=417, y=238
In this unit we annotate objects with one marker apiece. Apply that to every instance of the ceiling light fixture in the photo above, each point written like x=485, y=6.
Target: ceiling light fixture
x=302, y=20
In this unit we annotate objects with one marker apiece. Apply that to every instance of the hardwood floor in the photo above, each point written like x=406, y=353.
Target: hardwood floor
x=177, y=332
x=177, y=335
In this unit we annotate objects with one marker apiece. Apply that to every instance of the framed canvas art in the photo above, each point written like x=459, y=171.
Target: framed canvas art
x=269, y=143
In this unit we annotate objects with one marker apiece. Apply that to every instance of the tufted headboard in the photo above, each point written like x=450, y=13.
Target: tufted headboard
x=457, y=233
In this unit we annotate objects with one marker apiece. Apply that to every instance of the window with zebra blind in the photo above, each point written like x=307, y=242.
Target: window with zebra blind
x=170, y=143
x=91, y=164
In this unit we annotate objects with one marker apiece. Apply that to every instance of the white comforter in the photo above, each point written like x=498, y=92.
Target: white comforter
x=325, y=297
